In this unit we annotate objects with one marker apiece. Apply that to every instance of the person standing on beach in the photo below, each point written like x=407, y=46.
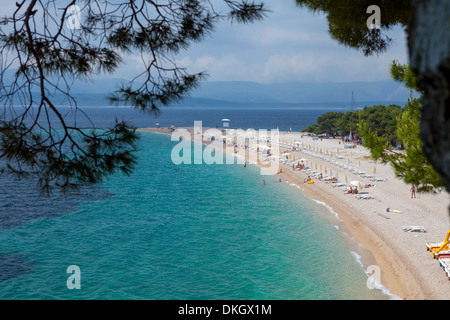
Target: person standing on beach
x=413, y=191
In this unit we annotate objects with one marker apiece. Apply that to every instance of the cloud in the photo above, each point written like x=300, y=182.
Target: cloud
x=302, y=65
x=277, y=35
x=227, y=67
x=290, y=45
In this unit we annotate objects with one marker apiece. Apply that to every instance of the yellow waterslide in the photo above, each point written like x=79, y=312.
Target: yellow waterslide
x=444, y=245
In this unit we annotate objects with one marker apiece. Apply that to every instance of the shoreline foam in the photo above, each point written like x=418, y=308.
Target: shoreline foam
x=408, y=270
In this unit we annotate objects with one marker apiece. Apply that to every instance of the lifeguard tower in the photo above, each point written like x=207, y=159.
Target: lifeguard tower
x=225, y=123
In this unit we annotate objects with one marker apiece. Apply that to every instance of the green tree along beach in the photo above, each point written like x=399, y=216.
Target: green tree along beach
x=379, y=118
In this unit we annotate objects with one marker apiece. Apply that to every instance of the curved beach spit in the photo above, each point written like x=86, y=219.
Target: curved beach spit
x=382, y=217
x=379, y=215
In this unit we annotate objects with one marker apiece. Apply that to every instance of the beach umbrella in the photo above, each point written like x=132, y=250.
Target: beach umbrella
x=355, y=183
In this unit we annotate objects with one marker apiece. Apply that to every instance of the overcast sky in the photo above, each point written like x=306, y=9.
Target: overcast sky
x=290, y=45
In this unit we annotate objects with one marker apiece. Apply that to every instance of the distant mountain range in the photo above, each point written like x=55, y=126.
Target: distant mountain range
x=251, y=94
x=302, y=92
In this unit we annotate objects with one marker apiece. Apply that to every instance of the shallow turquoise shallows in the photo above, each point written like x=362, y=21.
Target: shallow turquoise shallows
x=184, y=232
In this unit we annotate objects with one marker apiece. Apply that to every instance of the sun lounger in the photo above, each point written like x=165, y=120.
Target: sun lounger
x=431, y=246
x=363, y=196
x=447, y=270
x=444, y=262
x=414, y=229
x=442, y=254
x=338, y=184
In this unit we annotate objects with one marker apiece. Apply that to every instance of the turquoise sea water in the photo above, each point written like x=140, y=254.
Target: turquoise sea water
x=181, y=232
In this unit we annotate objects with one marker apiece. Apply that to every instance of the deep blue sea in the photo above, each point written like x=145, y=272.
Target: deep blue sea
x=178, y=231
x=256, y=118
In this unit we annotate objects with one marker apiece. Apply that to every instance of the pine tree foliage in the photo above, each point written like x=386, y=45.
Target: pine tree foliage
x=44, y=57
x=347, y=21
x=428, y=51
x=380, y=119
x=411, y=165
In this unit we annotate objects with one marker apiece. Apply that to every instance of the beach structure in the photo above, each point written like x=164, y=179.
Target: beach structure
x=441, y=252
x=444, y=245
x=225, y=123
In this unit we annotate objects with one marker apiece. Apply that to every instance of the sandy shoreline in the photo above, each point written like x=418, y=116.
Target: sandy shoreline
x=407, y=269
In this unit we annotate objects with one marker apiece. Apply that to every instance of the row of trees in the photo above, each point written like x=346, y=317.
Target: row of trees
x=412, y=165
x=379, y=118
x=381, y=127
x=428, y=138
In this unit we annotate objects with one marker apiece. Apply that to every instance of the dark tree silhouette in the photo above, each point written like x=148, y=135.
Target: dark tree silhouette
x=45, y=56
x=426, y=23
